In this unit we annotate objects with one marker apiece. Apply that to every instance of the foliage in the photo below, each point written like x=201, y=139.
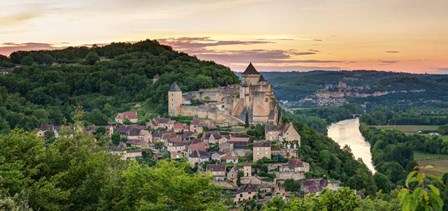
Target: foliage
x=421, y=192
x=256, y=132
x=74, y=173
x=47, y=94
x=342, y=199
x=443, y=129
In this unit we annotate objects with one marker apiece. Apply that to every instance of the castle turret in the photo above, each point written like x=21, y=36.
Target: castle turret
x=250, y=76
x=174, y=100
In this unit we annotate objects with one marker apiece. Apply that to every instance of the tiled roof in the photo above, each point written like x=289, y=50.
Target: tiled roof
x=246, y=188
x=175, y=88
x=250, y=70
x=216, y=167
x=262, y=144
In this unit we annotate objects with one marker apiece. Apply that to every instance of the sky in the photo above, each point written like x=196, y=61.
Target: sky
x=275, y=35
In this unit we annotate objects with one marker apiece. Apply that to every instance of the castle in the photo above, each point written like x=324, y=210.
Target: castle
x=253, y=100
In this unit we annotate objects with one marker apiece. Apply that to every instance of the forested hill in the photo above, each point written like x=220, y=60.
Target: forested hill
x=296, y=85
x=46, y=86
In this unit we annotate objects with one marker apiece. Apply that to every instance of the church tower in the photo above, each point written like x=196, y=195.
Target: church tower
x=174, y=100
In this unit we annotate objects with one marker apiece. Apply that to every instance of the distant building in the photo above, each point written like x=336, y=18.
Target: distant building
x=246, y=192
x=155, y=78
x=261, y=149
x=218, y=171
x=130, y=115
x=285, y=132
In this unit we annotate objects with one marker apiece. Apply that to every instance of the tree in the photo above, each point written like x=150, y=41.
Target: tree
x=116, y=137
x=443, y=129
x=246, y=120
x=27, y=60
x=421, y=192
x=92, y=58
x=382, y=182
x=291, y=185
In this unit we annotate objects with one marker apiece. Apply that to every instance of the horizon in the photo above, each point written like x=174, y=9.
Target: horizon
x=288, y=36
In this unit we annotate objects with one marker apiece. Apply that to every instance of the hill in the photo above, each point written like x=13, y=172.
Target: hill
x=46, y=86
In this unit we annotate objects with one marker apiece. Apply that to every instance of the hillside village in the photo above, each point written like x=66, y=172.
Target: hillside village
x=254, y=159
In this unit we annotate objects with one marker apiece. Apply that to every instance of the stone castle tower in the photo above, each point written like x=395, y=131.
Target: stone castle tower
x=229, y=105
x=174, y=100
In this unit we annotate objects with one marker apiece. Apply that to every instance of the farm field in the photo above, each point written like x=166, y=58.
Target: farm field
x=409, y=128
x=438, y=161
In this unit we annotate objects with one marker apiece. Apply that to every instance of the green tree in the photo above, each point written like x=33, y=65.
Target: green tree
x=116, y=137
x=27, y=60
x=92, y=58
x=421, y=192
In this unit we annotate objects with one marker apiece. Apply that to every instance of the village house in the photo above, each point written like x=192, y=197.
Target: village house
x=196, y=145
x=213, y=138
x=189, y=135
x=43, y=128
x=247, y=170
x=246, y=192
x=315, y=186
x=226, y=147
x=137, y=143
x=218, y=155
x=176, y=147
x=261, y=149
x=161, y=123
x=283, y=133
x=198, y=125
x=155, y=78
x=218, y=171
x=180, y=127
x=130, y=115
x=239, y=143
x=232, y=175
x=197, y=157
x=295, y=169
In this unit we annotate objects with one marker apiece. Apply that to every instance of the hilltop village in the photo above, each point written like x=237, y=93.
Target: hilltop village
x=233, y=132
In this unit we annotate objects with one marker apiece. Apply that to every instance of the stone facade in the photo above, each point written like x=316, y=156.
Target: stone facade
x=230, y=105
x=261, y=149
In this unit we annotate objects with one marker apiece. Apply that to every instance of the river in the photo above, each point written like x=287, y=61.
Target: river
x=347, y=132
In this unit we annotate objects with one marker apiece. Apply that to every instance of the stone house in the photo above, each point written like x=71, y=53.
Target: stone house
x=218, y=155
x=295, y=169
x=317, y=185
x=161, y=123
x=245, y=192
x=239, y=143
x=198, y=125
x=43, y=128
x=197, y=157
x=282, y=133
x=213, y=137
x=232, y=174
x=130, y=115
x=261, y=149
x=218, y=171
x=180, y=127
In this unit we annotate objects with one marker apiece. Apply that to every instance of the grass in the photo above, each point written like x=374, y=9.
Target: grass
x=438, y=161
x=419, y=156
x=440, y=167
x=410, y=128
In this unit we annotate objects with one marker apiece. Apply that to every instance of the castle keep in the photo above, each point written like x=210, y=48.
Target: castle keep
x=230, y=105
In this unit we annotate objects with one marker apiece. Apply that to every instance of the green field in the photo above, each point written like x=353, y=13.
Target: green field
x=439, y=162
x=409, y=128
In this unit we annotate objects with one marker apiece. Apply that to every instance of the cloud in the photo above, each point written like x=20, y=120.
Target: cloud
x=392, y=51
x=442, y=69
x=268, y=68
x=388, y=61
x=200, y=44
x=9, y=47
x=18, y=18
x=318, y=40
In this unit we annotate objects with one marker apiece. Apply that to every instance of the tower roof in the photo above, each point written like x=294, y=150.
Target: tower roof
x=175, y=88
x=262, y=78
x=251, y=70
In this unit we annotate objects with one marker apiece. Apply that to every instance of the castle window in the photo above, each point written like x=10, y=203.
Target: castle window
x=266, y=100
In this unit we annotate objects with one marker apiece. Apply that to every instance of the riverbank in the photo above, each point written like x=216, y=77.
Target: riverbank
x=346, y=132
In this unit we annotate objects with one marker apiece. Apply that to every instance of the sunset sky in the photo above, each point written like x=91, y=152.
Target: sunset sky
x=276, y=35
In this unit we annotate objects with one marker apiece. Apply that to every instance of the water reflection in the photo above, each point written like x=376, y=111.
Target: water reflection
x=347, y=132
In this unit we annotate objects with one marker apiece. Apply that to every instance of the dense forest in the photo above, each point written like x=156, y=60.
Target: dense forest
x=46, y=86
x=294, y=86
